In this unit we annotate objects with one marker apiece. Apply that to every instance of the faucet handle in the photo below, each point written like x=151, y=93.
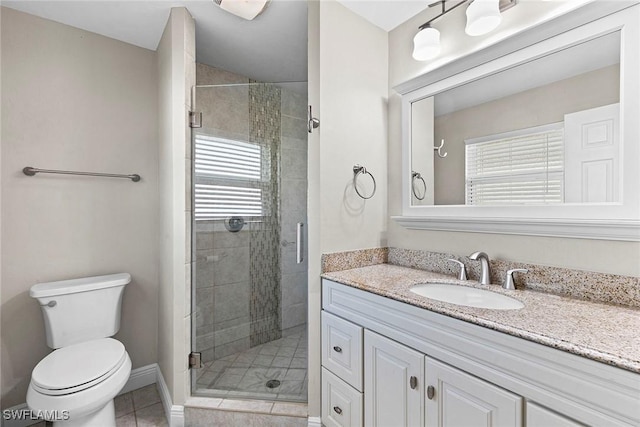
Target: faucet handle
x=463, y=271
x=477, y=255
x=508, y=281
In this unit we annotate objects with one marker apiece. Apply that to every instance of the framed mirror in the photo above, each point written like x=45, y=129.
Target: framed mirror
x=542, y=141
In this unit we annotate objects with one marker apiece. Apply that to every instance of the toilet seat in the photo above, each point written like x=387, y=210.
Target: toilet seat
x=78, y=367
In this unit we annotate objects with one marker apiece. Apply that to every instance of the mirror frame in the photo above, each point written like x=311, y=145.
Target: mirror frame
x=608, y=221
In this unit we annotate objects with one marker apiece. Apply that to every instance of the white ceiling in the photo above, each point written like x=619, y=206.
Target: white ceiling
x=387, y=14
x=271, y=48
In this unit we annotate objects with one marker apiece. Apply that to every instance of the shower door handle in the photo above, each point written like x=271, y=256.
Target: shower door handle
x=299, y=257
x=313, y=123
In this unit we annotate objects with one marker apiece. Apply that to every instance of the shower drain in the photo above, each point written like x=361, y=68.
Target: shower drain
x=273, y=383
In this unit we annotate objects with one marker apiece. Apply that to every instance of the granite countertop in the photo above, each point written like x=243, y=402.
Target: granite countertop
x=606, y=333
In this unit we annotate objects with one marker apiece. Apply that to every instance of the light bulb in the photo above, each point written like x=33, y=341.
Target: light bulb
x=246, y=9
x=483, y=16
x=426, y=44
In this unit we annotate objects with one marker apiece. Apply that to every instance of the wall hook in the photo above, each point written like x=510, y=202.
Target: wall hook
x=439, y=150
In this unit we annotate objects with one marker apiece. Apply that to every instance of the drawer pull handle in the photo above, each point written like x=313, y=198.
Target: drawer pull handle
x=337, y=350
x=431, y=391
x=413, y=382
x=337, y=410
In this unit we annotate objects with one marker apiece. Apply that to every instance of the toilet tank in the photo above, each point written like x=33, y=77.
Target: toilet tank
x=81, y=309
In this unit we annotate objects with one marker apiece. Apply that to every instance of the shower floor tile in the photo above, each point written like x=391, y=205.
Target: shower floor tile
x=246, y=374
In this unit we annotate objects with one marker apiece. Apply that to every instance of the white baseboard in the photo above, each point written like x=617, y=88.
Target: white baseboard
x=141, y=377
x=314, y=422
x=174, y=413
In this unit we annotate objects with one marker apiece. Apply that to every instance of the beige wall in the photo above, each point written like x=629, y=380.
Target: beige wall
x=603, y=256
x=75, y=100
x=540, y=106
x=348, y=91
x=176, y=76
x=353, y=128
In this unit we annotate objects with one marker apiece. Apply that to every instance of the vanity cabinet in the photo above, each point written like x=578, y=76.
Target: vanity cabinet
x=392, y=353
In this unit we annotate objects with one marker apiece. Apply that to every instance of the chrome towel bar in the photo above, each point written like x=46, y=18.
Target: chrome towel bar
x=29, y=171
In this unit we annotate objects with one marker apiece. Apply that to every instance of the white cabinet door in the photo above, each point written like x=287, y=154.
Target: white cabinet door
x=538, y=416
x=460, y=400
x=393, y=383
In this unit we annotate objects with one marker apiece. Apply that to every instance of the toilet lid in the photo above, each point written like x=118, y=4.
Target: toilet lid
x=78, y=367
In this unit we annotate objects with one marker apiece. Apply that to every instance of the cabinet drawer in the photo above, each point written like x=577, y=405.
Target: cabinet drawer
x=342, y=349
x=341, y=403
x=538, y=416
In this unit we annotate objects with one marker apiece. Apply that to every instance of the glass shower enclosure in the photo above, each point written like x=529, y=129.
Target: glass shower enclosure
x=249, y=278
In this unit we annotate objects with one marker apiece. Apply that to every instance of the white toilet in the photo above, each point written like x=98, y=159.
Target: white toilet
x=75, y=385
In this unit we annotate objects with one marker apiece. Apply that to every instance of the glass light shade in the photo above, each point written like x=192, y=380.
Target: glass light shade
x=482, y=17
x=246, y=9
x=426, y=44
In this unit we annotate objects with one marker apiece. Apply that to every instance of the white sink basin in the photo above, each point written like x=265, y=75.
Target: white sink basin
x=464, y=295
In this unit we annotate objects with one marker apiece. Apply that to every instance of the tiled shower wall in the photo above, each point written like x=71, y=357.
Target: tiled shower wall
x=224, y=308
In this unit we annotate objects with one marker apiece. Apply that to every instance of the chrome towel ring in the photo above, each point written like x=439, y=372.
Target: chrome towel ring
x=415, y=176
x=357, y=170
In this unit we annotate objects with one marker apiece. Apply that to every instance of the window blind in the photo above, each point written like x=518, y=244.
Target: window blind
x=227, y=178
x=523, y=167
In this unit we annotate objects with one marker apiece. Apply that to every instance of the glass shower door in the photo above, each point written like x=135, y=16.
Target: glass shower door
x=246, y=282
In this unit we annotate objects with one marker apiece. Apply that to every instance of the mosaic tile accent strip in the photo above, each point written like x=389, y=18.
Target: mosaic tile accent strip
x=338, y=261
x=587, y=285
x=264, y=270
x=601, y=332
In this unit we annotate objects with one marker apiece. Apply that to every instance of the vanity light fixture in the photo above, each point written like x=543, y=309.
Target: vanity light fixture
x=426, y=44
x=483, y=16
x=246, y=9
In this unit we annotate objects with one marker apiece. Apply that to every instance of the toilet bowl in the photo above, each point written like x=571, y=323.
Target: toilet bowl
x=75, y=384
x=79, y=383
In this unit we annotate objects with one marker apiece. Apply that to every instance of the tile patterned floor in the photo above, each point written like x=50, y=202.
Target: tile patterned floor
x=245, y=374
x=140, y=408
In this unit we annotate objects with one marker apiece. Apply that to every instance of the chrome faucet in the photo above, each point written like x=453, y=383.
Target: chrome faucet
x=485, y=272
